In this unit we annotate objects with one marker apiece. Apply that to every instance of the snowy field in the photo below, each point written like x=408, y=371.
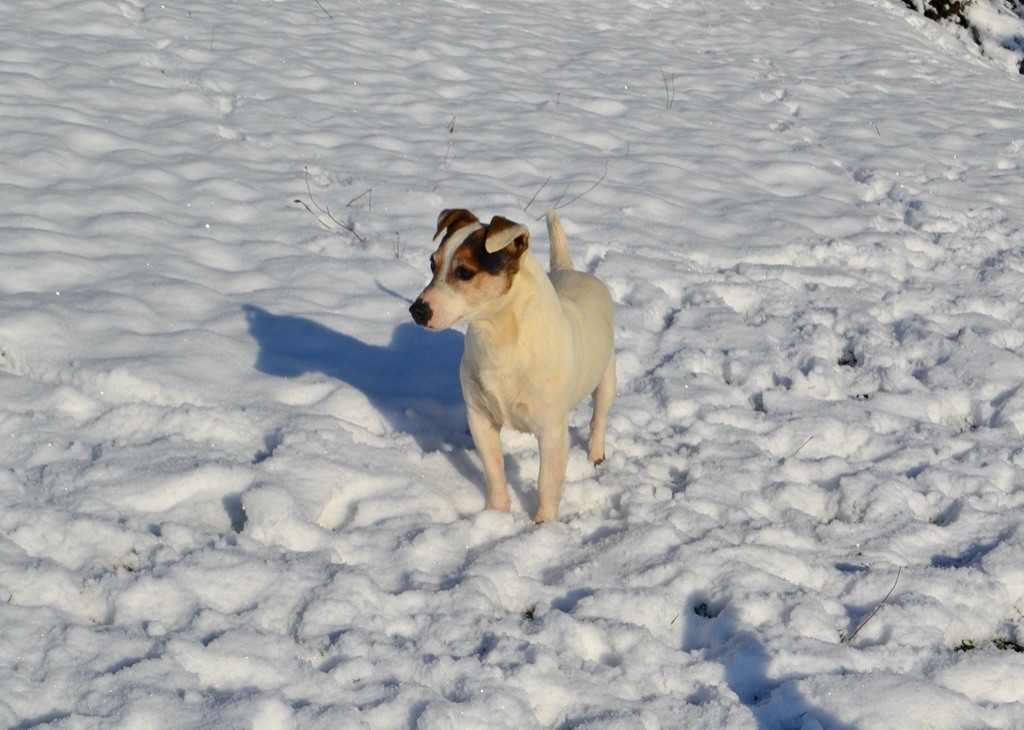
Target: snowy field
x=236, y=486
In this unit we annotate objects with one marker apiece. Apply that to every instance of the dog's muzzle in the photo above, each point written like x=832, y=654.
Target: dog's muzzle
x=421, y=312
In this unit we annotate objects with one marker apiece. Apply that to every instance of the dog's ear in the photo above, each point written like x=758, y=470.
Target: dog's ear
x=453, y=219
x=502, y=233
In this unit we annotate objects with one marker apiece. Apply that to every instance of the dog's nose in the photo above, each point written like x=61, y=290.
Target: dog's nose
x=421, y=312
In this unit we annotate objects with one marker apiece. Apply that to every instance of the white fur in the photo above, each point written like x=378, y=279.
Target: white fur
x=532, y=354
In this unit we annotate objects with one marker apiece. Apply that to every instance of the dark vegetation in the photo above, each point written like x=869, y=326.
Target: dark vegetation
x=952, y=10
x=958, y=12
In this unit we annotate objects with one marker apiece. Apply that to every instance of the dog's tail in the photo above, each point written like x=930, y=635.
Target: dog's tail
x=560, y=258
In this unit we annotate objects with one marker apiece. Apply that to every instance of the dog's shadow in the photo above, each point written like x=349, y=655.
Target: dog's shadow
x=413, y=381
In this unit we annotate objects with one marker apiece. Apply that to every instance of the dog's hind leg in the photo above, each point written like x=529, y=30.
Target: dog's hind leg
x=487, y=437
x=603, y=396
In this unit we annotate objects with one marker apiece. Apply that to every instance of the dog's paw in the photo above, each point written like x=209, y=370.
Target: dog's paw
x=545, y=514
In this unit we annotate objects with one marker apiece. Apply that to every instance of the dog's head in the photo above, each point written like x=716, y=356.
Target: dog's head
x=473, y=268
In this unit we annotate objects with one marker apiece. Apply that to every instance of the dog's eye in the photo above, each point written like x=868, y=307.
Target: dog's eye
x=433, y=266
x=464, y=273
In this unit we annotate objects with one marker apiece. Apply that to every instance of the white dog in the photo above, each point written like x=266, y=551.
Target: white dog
x=536, y=346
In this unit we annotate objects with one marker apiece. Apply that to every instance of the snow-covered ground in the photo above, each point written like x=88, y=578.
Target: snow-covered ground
x=236, y=488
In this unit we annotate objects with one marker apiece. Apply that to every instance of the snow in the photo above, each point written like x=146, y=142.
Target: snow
x=236, y=487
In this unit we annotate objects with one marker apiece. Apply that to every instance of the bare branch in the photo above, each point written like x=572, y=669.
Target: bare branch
x=361, y=195
x=809, y=439
x=599, y=181
x=318, y=219
x=848, y=639
x=326, y=211
x=536, y=194
x=670, y=87
x=558, y=200
x=324, y=9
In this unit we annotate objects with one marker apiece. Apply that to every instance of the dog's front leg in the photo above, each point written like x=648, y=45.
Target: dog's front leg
x=554, y=454
x=487, y=437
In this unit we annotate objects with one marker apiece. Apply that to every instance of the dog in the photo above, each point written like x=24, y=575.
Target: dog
x=536, y=345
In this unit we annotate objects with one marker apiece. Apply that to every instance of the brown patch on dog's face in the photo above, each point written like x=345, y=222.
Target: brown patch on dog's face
x=481, y=275
x=452, y=220
x=466, y=276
